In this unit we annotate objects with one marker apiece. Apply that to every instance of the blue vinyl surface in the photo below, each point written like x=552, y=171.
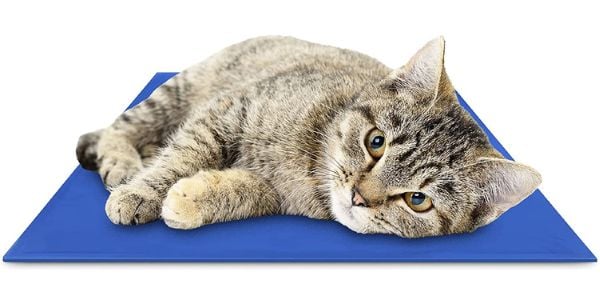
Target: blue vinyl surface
x=74, y=227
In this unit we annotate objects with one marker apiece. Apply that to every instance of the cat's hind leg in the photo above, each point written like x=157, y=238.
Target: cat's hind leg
x=117, y=152
x=217, y=196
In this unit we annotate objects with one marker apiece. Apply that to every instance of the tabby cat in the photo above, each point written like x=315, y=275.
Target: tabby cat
x=277, y=125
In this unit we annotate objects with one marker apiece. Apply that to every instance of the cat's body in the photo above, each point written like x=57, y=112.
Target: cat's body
x=279, y=125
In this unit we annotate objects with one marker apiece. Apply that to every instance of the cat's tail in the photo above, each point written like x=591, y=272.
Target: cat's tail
x=86, y=150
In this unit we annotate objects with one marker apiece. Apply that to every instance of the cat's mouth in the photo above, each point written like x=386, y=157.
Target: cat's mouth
x=347, y=209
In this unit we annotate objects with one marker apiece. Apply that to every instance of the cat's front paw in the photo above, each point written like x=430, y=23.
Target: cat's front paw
x=131, y=205
x=181, y=209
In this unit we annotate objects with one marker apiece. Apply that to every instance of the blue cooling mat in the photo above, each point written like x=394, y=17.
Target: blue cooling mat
x=73, y=227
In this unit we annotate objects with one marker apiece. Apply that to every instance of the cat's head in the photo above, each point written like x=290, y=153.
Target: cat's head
x=409, y=160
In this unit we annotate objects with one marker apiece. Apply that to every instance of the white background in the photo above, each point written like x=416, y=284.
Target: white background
x=529, y=70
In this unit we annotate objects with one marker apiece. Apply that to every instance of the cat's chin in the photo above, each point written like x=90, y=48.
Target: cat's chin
x=346, y=214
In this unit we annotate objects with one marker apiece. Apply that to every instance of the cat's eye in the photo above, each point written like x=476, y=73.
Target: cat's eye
x=375, y=143
x=418, y=202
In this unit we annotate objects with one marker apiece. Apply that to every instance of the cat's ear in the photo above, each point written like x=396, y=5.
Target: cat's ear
x=499, y=184
x=424, y=75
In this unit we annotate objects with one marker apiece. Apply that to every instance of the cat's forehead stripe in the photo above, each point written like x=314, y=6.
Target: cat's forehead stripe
x=399, y=140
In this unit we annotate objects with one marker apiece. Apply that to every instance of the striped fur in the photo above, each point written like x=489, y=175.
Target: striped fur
x=277, y=125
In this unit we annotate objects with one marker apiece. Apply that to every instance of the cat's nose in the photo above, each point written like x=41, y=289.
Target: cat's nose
x=357, y=199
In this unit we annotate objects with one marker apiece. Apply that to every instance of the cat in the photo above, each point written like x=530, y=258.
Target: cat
x=277, y=125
